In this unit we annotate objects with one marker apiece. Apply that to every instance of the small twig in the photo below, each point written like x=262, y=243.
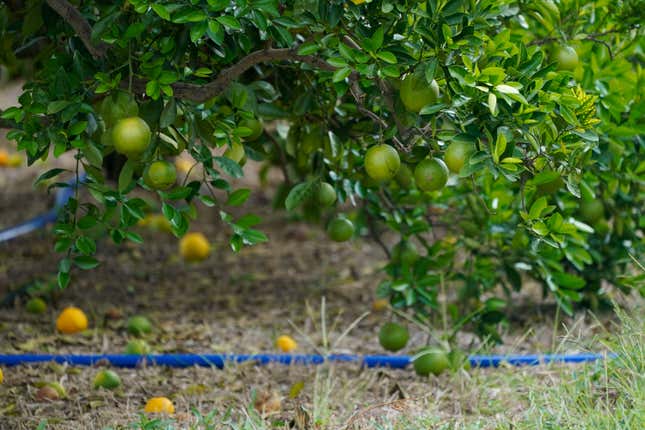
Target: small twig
x=372, y=229
x=81, y=27
x=283, y=158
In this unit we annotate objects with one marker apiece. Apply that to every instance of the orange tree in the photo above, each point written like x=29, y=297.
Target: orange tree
x=500, y=139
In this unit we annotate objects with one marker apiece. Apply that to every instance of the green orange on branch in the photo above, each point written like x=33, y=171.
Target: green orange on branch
x=431, y=174
x=416, y=92
x=340, y=229
x=131, y=136
x=457, y=154
x=382, y=162
x=160, y=175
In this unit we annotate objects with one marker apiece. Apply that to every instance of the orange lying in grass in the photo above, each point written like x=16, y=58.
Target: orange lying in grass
x=1, y=376
x=286, y=343
x=4, y=158
x=71, y=320
x=159, y=405
x=194, y=247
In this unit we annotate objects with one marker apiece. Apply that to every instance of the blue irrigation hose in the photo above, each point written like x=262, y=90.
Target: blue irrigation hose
x=36, y=223
x=218, y=360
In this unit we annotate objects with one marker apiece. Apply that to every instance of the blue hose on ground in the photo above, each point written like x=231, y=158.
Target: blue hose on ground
x=62, y=196
x=218, y=360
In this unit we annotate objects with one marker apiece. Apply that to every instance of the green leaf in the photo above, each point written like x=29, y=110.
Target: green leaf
x=126, y=175
x=298, y=195
x=86, y=262
x=341, y=74
x=49, y=174
x=161, y=11
x=430, y=70
x=229, y=21
x=492, y=104
x=500, y=147
x=57, y=106
x=229, y=166
x=387, y=56
x=567, y=280
x=252, y=237
x=430, y=109
x=238, y=197
x=377, y=38
x=537, y=207
x=78, y=128
x=308, y=49
x=168, y=114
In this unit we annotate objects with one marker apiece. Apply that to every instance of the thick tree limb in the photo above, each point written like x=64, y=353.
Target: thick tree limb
x=201, y=92
x=73, y=17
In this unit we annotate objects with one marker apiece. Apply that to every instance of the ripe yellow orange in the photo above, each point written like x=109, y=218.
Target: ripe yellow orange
x=194, y=247
x=4, y=158
x=183, y=166
x=1, y=376
x=71, y=320
x=358, y=2
x=286, y=343
x=159, y=405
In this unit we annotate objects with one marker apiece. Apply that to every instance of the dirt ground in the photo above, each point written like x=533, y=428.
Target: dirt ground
x=229, y=303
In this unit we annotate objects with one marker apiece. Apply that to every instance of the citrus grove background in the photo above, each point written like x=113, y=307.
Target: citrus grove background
x=461, y=161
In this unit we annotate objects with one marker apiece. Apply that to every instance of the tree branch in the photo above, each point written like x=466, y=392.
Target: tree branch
x=201, y=92
x=73, y=17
